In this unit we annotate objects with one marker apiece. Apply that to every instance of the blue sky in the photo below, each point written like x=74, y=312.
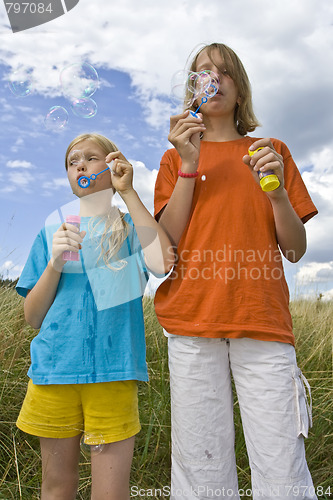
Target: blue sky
x=285, y=48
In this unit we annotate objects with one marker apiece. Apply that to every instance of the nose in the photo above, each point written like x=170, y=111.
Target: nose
x=80, y=165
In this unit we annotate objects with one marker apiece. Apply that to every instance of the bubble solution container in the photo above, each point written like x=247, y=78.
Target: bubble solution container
x=268, y=180
x=75, y=220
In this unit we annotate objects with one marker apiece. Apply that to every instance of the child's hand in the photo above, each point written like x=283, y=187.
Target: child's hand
x=266, y=159
x=184, y=134
x=66, y=238
x=121, y=172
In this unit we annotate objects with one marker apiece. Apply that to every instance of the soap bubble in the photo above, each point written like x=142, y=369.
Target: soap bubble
x=92, y=443
x=207, y=83
x=79, y=80
x=84, y=182
x=179, y=85
x=187, y=86
x=20, y=83
x=56, y=118
x=84, y=107
x=212, y=83
x=76, y=156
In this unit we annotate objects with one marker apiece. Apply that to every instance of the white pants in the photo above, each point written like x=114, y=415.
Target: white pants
x=274, y=410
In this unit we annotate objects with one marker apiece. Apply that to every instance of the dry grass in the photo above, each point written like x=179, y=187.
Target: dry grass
x=20, y=471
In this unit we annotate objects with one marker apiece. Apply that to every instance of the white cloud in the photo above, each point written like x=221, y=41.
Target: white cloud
x=20, y=164
x=9, y=270
x=315, y=272
x=328, y=295
x=143, y=182
x=23, y=180
x=285, y=46
x=56, y=183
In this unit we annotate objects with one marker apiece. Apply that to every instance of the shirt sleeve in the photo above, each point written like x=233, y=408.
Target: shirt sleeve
x=134, y=245
x=35, y=265
x=166, y=180
x=294, y=184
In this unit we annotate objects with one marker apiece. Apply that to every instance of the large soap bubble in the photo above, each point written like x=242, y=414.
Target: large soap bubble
x=92, y=443
x=84, y=107
x=79, y=80
x=20, y=83
x=56, y=118
x=181, y=82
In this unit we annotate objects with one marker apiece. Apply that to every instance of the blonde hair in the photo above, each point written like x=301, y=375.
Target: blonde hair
x=116, y=229
x=244, y=117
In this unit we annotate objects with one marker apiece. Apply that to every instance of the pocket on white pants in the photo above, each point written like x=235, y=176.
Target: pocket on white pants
x=303, y=406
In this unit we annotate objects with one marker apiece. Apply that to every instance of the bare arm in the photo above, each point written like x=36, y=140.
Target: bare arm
x=290, y=230
x=39, y=300
x=185, y=136
x=157, y=249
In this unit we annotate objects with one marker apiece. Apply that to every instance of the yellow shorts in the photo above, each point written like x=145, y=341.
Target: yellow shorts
x=105, y=412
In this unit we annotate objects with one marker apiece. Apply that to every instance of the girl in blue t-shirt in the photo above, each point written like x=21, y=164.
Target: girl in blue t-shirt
x=90, y=350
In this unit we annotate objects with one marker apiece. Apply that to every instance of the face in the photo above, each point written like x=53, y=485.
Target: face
x=227, y=97
x=84, y=159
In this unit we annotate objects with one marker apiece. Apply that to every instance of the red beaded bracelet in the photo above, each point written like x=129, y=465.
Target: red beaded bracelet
x=182, y=174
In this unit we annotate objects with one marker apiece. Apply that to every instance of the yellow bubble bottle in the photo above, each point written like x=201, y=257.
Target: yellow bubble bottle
x=268, y=180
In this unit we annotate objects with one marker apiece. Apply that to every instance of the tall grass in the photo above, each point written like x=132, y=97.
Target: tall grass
x=20, y=464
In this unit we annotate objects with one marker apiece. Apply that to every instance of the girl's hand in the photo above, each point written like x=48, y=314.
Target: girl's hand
x=66, y=238
x=184, y=134
x=266, y=159
x=121, y=172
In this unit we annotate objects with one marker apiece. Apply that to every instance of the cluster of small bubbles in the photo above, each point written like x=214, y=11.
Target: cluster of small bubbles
x=79, y=80
x=210, y=83
x=56, y=118
x=20, y=83
x=84, y=107
x=187, y=86
x=92, y=443
x=204, y=83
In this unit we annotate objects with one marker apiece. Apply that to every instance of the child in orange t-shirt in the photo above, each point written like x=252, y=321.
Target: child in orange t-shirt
x=225, y=307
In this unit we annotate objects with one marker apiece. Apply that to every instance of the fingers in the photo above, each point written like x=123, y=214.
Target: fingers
x=266, y=159
x=70, y=236
x=121, y=167
x=186, y=123
x=114, y=155
x=261, y=143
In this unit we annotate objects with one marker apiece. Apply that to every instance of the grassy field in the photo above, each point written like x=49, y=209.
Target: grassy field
x=20, y=464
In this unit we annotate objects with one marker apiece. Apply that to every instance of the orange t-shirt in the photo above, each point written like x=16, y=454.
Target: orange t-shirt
x=228, y=280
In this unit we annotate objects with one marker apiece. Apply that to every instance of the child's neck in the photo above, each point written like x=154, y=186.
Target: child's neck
x=96, y=203
x=219, y=131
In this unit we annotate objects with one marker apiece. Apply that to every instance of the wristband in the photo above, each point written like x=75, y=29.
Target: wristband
x=182, y=174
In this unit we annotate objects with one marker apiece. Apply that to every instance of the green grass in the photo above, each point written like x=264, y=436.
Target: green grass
x=20, y=464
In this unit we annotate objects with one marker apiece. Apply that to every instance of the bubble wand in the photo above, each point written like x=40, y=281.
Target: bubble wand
x=210, y=89
x=203, y=101
x=84, y=181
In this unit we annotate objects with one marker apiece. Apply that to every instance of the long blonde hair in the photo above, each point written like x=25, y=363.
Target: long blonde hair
x=244, y=117
x=116, y=229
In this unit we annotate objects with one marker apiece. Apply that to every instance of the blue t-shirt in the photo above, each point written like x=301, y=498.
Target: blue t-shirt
x=94, y=329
